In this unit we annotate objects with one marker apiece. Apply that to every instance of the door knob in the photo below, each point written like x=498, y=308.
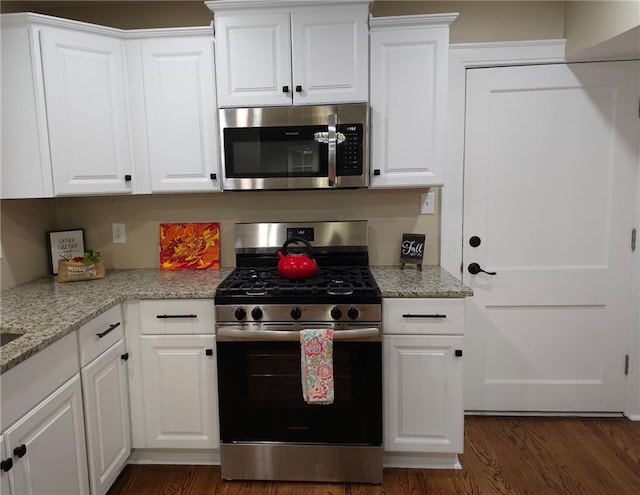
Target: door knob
x=475, y=268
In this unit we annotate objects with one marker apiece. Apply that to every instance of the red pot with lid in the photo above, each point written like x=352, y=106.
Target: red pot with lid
x=297, y=266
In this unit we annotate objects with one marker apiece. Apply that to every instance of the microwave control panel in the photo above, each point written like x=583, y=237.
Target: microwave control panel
x=349, y=152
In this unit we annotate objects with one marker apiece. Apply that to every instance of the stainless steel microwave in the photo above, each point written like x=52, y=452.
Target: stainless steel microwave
x=305, y=147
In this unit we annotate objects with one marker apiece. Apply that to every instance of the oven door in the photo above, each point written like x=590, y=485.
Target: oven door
x=260, y=393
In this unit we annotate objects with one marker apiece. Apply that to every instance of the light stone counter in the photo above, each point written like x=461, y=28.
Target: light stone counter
x=432, y=281
x=45, y=311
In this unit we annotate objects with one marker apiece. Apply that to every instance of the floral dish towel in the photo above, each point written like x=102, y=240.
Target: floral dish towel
x=316, y=351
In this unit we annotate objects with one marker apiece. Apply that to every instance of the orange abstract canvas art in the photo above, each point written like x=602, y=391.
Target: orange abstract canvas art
x=189, y=246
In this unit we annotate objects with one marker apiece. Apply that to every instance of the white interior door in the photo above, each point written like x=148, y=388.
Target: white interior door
x=551, y=157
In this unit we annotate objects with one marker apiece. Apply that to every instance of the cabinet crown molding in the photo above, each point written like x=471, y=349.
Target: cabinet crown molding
x=223, y=5
x=178, y=32
x=419, y=20
x=22, y=19
x=29, y=18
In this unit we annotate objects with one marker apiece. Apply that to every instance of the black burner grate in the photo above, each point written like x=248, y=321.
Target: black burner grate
x=345, y=282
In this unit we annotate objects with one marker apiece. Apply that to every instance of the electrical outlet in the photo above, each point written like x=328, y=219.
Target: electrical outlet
x=119, y=233
x=428, y=204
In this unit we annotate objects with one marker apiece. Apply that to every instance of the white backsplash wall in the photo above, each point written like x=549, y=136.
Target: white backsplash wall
x=389, y=212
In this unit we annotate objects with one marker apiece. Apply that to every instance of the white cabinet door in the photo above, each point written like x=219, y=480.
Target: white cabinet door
x=253, y=55
x=49, y=447
x=301, y=56
x=329, y=58
x=409, y=59
x=7, y=464
x=423, y=393
x=181, y=115
x=180, y=391
x=85, y=87
x=550, y=330
x=25, y=159
x=106, y=401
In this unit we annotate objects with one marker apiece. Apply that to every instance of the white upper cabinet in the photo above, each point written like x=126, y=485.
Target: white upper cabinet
x=26, y=163
x=175, y=118
x=65, y=117
x=284, y=52
x=408, y=73
x=87, y=112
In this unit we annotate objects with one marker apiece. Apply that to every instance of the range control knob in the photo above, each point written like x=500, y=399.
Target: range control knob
x=296, y=313
x=240, y=314
x=353, y=313
x=256, y=313
x=336, y=313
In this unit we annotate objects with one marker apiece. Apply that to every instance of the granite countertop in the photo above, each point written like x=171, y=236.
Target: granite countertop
x=432, y=281
x=45, y=310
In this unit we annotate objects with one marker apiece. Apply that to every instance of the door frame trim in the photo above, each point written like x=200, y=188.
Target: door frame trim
x=463, y=56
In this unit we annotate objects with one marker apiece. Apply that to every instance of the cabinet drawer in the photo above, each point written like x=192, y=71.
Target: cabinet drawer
x=97, y=335
x=423, y=316
x=177, y=317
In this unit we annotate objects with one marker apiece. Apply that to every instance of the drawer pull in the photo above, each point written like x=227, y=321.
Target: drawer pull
x=6, y=465
x=164, y=317
x=20, y=450
x=433, y=315
x=108, y=330
x=208, y=352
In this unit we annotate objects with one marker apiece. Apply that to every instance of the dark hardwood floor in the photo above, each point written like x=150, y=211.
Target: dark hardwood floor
x=503, y=455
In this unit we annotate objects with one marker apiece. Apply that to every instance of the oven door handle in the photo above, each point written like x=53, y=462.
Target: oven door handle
x=226, y=334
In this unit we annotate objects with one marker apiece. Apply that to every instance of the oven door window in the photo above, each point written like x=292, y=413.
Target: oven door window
x=275, y=152
x=260, y=393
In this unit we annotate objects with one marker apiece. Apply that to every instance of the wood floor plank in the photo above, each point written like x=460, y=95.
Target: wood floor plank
x=503, y=456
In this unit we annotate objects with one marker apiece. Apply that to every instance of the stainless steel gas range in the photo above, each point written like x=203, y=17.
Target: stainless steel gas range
x=267, y=429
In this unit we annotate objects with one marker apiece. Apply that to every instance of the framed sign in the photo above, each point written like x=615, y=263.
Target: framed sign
x=64, y=245
x=412, y=249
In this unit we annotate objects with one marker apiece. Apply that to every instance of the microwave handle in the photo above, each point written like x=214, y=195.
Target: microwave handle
x=332, y=141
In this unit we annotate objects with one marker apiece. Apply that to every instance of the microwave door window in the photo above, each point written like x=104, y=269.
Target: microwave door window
x=274, y=152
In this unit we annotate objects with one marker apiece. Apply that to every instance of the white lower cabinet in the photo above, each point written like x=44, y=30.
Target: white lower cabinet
x=422, y=356
x=173, y=378
x=180, y=391
x=42, y=422
x=106, y=402
x=103, y=361
x=48, y=446
x=423, y=393
x=6, y=464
